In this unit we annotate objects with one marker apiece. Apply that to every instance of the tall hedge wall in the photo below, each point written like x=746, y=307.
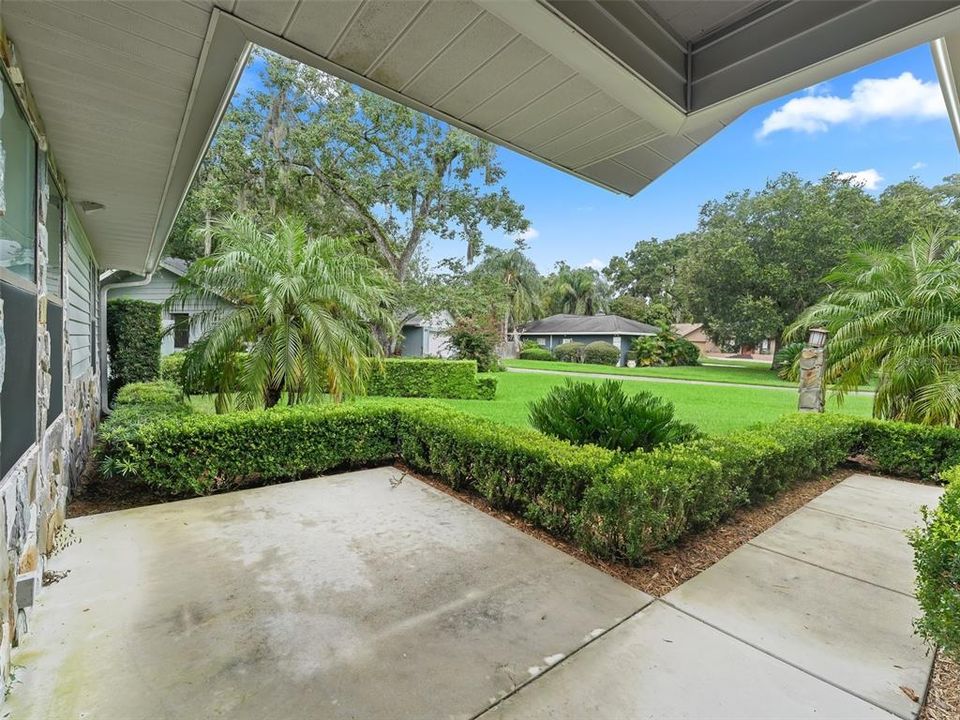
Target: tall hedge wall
x=133, y=336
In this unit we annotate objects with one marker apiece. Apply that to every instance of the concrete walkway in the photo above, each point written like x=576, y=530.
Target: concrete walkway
x=372, y=595
x=672, y=381
x=810, y=619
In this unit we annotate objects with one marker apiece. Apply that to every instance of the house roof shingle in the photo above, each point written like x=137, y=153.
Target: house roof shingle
x=588, y=325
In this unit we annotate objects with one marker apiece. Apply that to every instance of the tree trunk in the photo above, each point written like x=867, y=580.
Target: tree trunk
x=271, y=396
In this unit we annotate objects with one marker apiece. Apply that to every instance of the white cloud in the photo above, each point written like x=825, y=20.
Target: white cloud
x=905, y=96
x=531, y=233
x=596, y=264
x=868, y=179
x=918, y=165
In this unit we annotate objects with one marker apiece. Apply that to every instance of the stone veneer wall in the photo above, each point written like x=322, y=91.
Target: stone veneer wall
x=33, y=494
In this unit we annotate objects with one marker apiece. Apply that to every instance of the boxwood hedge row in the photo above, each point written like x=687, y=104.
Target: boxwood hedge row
x=617, y=505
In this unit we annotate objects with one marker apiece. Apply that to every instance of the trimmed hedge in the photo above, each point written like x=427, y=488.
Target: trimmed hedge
x=569, y=352
x=910, y=450
x=133, y=335
x=430, y=378
x=536, y=353
x=171, y=367
x=601, y=353
x=936, y=546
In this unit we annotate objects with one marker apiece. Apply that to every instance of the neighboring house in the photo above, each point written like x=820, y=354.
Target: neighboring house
x=695, y=333
x=179, y=333
x=558, y=329
x=426, y=336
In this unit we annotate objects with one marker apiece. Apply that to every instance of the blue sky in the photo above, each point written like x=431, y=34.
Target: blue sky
x=875, y=120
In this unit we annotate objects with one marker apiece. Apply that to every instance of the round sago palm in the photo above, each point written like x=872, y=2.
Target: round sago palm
x=294, y=314
x=894, y=316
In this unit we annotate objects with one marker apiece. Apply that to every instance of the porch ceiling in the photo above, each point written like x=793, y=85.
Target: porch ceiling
x=613, y=91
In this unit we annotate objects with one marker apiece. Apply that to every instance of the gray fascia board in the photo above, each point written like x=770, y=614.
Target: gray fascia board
x=919, y=33
x=721, y=72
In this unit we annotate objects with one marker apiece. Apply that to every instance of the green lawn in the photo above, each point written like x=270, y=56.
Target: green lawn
x=715, y=409
x=755, y=374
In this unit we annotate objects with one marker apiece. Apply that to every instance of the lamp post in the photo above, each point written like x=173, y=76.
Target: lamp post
x=812, y=378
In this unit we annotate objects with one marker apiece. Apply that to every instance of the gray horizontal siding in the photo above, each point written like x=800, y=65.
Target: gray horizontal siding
x=80, y=301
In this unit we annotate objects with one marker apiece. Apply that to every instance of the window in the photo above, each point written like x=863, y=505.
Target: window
x=55, y=328
x=542, y=341
x=54, y=239
x=181, y=330
x=18, y=396
x=18, y=187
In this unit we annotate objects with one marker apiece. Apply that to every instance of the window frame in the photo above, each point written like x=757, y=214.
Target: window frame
x=8, y=276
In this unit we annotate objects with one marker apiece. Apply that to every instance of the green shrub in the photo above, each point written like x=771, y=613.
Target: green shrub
x=476, y=339
x=601, y=353
x=486, y=388
x=787, y=361
x=414, y=377
x=665, y=348
x=133, y=335
x=909, y=449
x=936, y=546
x=530, y=345
x=171, y=367
x=569, y=352
x=648, y=502
x=536, y=353
x=586, y=413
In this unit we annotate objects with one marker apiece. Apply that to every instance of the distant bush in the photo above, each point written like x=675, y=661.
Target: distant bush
x=787, y=361
x=133, y=334
x=569, y=352
x=936, y=546
x=665, y=348
x=171, y=366
x=474, y=339
x=587, y=413
x=530, y=345
x=601, y=353
x=536, y=353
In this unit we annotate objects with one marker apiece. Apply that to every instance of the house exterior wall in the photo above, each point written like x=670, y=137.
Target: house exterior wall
x=704, y=344
x=34, y=491
x=158, y=290
x=552, y=341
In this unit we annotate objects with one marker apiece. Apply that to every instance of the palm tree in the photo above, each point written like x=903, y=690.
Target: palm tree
x=579, y=291
x=301, y=307
x=522, y=283
x=895, y=315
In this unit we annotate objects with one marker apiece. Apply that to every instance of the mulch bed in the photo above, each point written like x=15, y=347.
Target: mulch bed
x=943, y=696
x=98, y=494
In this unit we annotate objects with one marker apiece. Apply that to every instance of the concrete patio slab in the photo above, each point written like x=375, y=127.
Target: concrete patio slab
x=351, y=596
x=866, y=551
x=852, y=634
x=662, y=663
x=892, y=503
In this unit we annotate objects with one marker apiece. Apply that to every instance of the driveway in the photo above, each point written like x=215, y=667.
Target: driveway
x=373, y=595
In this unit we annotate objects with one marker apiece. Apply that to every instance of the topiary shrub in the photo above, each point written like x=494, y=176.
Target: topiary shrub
x=133, y=336
x=601, y=353
x=586, y=413
x=569, y=352
x=936, y=546
x=536, y=353
x=665, y=348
